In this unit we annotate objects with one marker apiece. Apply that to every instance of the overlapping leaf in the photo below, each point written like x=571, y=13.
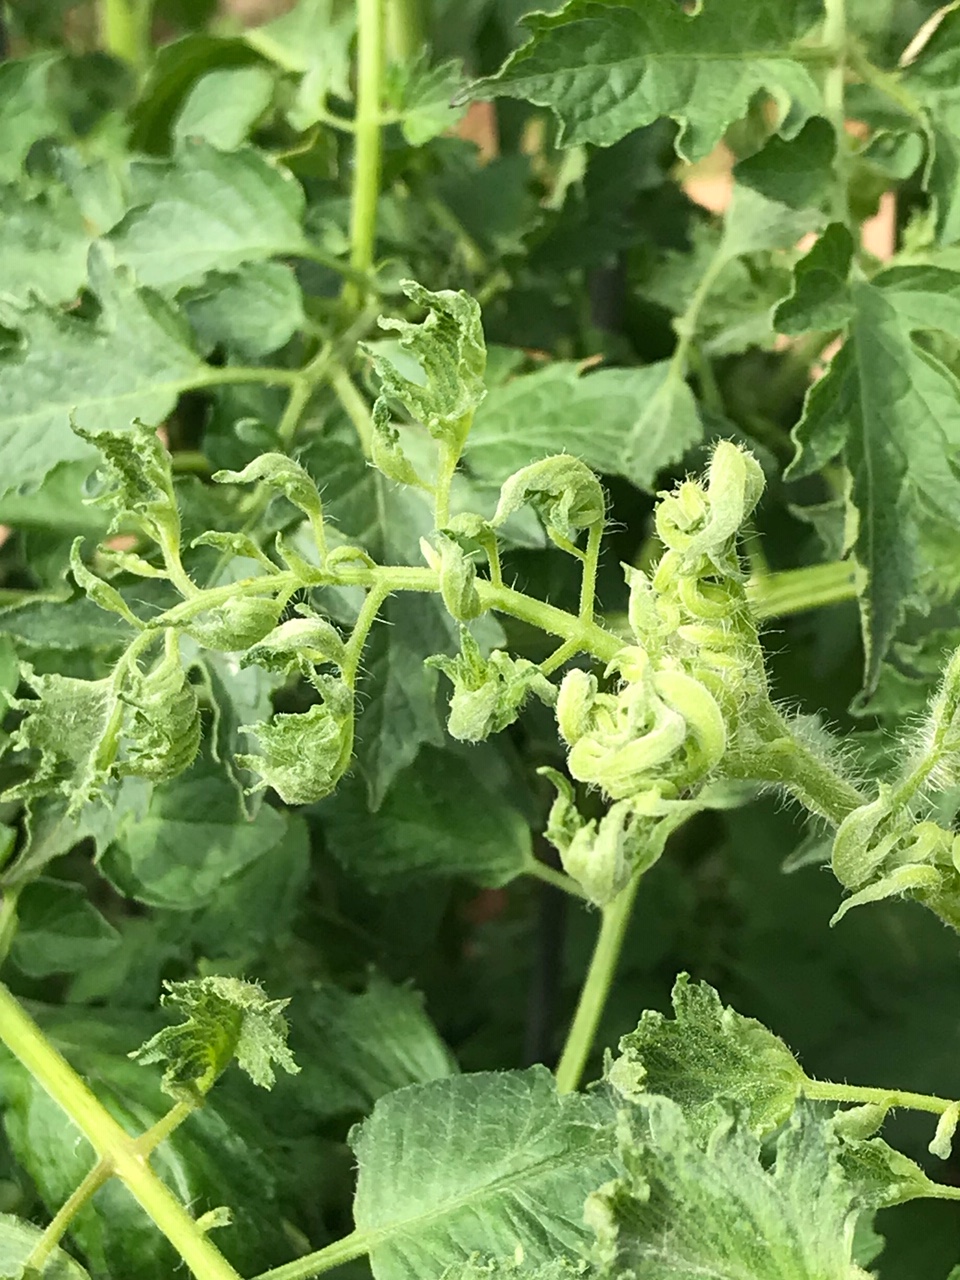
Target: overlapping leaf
x=608, y=68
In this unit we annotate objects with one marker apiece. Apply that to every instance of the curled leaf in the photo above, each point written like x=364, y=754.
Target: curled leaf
x=488, y=693
x=564, y=492
x=298, y=640
x=162, y=728
x=279, y=472
x=100, y=592
x=236, y=624
x=137, y=480
x=305, y=756
x=450, y=350
x=223, y=1019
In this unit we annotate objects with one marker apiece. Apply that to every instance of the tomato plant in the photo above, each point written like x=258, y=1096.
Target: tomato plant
x=481, y=537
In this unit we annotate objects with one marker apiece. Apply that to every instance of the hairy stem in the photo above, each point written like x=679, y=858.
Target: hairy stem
x=558, y=879
x=113, y=1145
x=366, y=175
x=354, y=406
x=596, y=988
x=830, y=1092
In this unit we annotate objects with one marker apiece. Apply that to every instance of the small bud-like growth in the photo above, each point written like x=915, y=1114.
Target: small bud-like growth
x=563, y=490
x=488, y=693
x=236, y=624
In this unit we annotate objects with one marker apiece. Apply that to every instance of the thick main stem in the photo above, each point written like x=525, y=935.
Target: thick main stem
x=366, y=175
x=596, y=988
x=112, y=1144
x=125, y=28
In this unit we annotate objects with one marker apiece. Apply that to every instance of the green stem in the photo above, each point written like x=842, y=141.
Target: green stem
x=885, y=82
x=786, y=761
x=333, y=1255
x=835, y=38
x=125, y=26
x=361, y=629
x=228, y=374
x=8, y=921
x=354, y=406
x=827, y=1091
x=113, y=1145
x=159, y=1132
x=591, y=562
x=406, y=33
x=685, y=326
x=449, y=457
x=557, y=879
x=593, y=996
x=789, y=591
x=40, y=1254
x=366, y=177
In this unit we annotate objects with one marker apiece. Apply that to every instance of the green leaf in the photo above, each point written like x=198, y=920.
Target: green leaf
x=207, y=211
x=17, y=1241
x=882, y=1175
x=312, y=40
x=356, y=1048
x=891, y=408
x=931, y=79
x=252, y=311
x=223, y=107
x=44, y=243
x=192, y=838
x=707, y=1055
x=304, y=756
x=59, y=930
x=422, y=97
x=686, y=1210
x=440, y=818
x=223, y=1019
x=796, y=172
x=606, y=69
x=509, y=1180
x=27, y=112
x=132, y=361
x=629, y=422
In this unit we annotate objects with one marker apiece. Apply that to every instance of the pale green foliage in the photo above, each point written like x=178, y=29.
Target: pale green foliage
x=223, y=106
x=235, y=624
x=563, y=491
x=279, y=472
x=601, y=855
x=688, y=1207
x=69, y=726
x=508, y=1181
x=605, y=70
x=458, y=576
x=301, y=643
x=303, y=757
x=223, y=1019
x=163, y=724
x=488, y=693
x=100, y=592
x=449, y=348
x=422, y=97
x=137, y=481
x=706, y=1056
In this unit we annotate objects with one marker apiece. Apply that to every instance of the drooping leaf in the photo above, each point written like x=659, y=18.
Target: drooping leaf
x=707, y=1056
x=606, y=69
x=130, y=362
x=206, y=211
x=356, y=1048
x=891, y=408
x=59, y=929
x=223, y=106
x=797, y=172
x=438, y=819
x=686, y=1209
x=511, y=1178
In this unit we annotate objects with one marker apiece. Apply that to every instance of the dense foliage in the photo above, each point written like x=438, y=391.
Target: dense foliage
x=453, y=584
